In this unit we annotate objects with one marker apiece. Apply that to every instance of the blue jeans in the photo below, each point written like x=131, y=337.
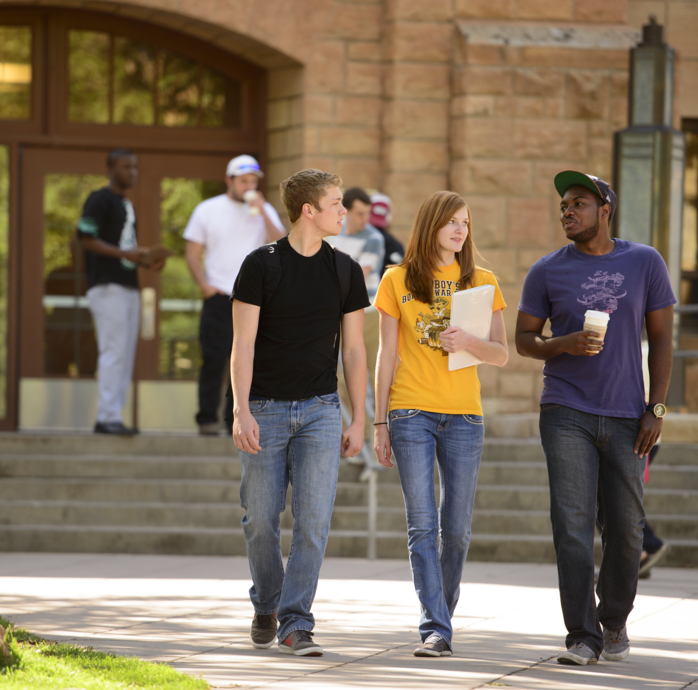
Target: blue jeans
x=591, y=461
x=300, y=443
x=438, y=540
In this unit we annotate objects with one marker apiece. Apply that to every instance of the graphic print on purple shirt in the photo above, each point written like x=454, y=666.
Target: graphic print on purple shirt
x=605, y=292
x=627, y=283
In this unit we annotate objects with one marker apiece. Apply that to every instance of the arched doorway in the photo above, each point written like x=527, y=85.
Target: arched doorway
x=74, y=85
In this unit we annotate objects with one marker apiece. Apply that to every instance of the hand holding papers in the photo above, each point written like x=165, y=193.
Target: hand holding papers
x=471, y=310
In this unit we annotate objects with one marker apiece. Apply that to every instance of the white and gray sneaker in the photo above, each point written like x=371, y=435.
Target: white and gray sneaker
x=616, y=645
x=434, y=645
x=578, y=654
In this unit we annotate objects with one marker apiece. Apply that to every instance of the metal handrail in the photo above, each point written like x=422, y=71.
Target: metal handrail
x=370, y=471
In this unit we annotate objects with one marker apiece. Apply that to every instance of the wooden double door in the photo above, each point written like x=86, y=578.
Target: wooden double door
x=57, y=344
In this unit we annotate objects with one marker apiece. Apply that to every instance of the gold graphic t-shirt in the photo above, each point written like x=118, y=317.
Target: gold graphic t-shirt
x=422, y=379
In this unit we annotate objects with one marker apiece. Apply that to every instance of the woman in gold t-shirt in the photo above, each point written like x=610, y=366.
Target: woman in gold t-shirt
x=434, y=412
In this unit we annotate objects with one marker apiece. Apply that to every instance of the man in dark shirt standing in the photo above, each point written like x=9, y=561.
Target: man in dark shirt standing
x=288, y=424
x=107, y=230
x=595, y=426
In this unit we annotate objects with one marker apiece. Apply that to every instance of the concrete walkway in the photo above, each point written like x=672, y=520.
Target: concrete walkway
x=194, y=613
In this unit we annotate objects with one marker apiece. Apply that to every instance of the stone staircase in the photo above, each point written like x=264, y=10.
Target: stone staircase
x=179, y=494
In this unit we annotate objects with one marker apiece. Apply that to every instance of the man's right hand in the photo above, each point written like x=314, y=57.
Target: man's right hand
x=580, y=343
x=134, y=255
x=246, y=432
x=210, y=291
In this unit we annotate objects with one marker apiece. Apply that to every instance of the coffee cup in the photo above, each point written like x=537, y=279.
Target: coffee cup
x=251, y=195
x=596, y=321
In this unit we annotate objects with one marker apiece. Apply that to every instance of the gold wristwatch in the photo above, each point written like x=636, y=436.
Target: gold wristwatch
x=658, y=410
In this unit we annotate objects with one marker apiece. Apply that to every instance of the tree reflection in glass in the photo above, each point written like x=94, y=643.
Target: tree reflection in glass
x=15, y=72
x=134, y=82
x=4, y=250
x=178, y=90
x=180, y=353
x=88, y=77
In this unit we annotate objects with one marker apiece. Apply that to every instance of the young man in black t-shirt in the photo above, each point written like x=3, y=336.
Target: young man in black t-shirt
x=107, y=230
x=288, y=424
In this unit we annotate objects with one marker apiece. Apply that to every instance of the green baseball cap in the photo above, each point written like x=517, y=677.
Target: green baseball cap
x=568, y=178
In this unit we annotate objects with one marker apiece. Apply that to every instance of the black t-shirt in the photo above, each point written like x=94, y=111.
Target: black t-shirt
x=109, y=217
x=298, y=323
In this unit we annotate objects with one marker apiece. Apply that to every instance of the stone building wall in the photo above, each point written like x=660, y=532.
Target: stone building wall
x=487, y=97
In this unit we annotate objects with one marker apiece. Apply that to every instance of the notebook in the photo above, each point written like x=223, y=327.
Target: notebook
x=471, y=310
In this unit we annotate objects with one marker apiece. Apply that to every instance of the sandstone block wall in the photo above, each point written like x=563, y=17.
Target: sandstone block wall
x=490, y=98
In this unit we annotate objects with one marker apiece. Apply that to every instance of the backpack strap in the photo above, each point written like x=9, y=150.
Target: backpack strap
x=342, y=267
x=272, y=268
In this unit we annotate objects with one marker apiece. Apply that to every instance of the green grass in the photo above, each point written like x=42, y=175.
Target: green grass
x=44, y=665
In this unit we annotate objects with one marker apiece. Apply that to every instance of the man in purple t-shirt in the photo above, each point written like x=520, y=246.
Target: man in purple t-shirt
x=596, y=428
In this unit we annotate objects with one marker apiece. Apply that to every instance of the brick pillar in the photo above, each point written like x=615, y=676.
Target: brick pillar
x=529, y=101
x=418, y=45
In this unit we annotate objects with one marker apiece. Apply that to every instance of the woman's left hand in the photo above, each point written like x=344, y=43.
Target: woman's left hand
x=455, y=339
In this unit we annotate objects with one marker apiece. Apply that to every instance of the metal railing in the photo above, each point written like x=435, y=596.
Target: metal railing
x=369, y=473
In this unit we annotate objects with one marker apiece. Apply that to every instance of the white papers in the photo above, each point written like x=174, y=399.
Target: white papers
x=471, y=310
x=350, y=245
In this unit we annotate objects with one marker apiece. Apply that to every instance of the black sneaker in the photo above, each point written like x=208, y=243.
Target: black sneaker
x=263, y=632
x=115, y=428
x=435, y=645
x=651, y=560
x=300, y=643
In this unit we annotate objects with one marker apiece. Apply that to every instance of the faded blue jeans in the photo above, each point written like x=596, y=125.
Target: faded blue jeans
x=591, y=462
x=438, y=540
x=300, y=443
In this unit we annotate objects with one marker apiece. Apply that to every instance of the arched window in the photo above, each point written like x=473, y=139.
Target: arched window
x=86, y=74
x=74, y=85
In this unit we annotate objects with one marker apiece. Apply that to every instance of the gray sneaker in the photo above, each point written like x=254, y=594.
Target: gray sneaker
x=435, y=645
x=300, y=643
x=263, y=632
x=578, y=654
x=616, y=645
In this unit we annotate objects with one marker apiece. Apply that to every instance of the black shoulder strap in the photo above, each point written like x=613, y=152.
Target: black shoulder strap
x=272, y=267
x=342, y=266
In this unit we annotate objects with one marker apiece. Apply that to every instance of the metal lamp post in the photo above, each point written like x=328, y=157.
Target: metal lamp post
x=649, y=163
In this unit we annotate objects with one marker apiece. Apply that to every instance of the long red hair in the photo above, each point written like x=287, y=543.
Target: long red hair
x=422, y=256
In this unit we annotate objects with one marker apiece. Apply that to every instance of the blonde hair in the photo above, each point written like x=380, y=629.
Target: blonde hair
x=306, y=187
x=422, y=256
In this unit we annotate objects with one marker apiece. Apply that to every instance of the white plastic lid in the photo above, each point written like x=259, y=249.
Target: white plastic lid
x=600, y=315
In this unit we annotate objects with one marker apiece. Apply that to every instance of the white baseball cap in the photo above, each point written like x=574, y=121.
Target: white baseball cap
x=243, y=165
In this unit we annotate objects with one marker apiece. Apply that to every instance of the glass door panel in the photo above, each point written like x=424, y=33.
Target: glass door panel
x=180, y=298
x=70, y=347
x=4, y=283
x=58, y=352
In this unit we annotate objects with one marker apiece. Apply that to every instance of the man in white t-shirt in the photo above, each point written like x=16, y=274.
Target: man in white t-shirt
x=221, y=232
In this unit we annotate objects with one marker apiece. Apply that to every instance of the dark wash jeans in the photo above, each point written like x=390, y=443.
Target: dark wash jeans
x=216, y=337
x=590, y=459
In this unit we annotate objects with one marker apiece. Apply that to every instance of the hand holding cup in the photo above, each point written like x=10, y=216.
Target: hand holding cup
x=596, y=321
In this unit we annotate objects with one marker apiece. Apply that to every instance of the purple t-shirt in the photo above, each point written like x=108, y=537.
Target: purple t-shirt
x=627, y=283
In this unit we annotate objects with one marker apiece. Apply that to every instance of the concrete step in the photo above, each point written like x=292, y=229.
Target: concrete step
x=673, y=477
x=118, y=466
x=678, y=427
x=171, y=445
x=519, y=473
x=118, y=490
x=135, y=467
x=181, y=495
x=677, y=454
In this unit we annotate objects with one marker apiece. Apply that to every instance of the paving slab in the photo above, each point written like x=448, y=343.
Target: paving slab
x=194, y=613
